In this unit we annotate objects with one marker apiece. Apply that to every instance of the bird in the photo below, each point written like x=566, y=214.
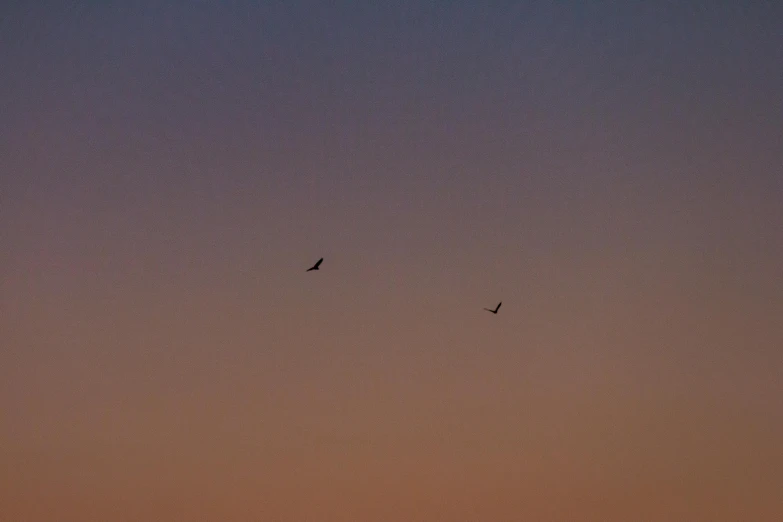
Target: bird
x=496, y=308
x=316, y=265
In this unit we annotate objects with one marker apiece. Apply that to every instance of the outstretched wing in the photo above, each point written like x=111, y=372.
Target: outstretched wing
x=315, y=266
x=498, y=307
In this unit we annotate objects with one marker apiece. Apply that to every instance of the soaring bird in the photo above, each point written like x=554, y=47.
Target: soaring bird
x=316, y=265
x=496, y=308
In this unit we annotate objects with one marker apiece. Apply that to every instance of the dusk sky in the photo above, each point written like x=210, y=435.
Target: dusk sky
x=611, y=171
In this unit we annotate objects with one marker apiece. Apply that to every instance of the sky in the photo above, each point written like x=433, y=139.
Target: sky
x=611, y=171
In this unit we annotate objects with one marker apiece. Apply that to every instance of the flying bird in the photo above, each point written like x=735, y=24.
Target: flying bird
x=496, y=308
x=316, y=265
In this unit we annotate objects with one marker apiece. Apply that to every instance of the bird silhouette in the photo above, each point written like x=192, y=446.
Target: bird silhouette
x=496, y=308
x=316, y=265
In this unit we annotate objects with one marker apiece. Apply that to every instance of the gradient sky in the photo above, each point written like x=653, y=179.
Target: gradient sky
x=611, y=171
